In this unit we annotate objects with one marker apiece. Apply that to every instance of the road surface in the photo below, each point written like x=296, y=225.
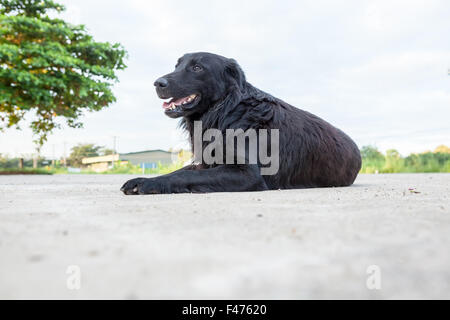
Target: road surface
x=77, y=236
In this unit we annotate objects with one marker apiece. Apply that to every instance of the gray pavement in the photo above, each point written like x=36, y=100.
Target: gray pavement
x=77, y=236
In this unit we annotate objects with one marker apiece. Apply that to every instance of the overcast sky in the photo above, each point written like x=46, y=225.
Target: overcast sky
x=378, y=70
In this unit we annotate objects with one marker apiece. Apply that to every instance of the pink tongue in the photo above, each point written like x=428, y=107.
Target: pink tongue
x=167, y=104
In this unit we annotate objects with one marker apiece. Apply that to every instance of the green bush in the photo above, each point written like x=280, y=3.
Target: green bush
x=4, y=171
x=374, y=161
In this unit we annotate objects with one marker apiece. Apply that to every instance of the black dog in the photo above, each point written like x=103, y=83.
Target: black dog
x=212, y=89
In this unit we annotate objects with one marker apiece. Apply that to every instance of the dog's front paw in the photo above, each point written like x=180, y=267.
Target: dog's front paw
x=143, y=186
x=132, y=186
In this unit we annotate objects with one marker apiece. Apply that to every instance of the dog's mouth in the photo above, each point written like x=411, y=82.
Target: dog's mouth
x=174, y=105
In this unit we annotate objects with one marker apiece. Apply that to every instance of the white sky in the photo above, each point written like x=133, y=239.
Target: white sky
x=375, y=69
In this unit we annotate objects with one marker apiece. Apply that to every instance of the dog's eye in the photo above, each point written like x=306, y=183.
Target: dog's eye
x=197, y=68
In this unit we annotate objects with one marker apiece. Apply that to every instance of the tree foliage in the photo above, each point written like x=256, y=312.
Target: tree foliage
x=442, y=149
x=374, y=161
x=106, y=151
x=371, y=153
x=51, y=68
x=82, y=151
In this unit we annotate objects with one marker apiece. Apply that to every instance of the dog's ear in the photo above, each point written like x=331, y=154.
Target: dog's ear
x=235, y=73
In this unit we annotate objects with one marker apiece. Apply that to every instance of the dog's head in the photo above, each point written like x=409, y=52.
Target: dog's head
x=200, y=81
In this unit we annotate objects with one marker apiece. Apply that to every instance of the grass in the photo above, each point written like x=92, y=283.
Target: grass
x=414, y=163
x=373, y=161
x=399, y=166
x=368, y=166
x=132, y=169
x=10, y=171
x=119, y=169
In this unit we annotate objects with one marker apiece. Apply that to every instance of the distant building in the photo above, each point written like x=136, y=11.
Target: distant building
x=101, y=163
x=145, y=159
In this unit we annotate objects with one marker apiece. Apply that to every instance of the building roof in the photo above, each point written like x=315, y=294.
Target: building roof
x=146, y=151
x=108, y=158
x=117, y=156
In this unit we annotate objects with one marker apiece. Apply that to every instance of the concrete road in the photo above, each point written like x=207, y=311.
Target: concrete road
x=77, y=236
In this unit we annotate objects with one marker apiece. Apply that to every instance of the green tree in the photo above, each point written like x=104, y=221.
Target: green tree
x=106, y=152
x=442, y=149
x=51, y=68
x=82, y=151
x=372, y=159
x=394, y=162
x=371, y=153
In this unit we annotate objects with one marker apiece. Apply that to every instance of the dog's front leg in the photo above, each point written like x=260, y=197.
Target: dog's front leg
x=223, y=178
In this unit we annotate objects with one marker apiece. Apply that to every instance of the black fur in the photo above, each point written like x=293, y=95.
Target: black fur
x=313, y=153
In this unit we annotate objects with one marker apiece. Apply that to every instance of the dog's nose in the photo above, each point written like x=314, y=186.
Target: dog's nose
x=161, y=82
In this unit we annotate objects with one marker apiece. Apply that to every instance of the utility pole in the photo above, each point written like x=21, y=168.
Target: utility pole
x=53, y=156
x=114, y=149
x=64, y=156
